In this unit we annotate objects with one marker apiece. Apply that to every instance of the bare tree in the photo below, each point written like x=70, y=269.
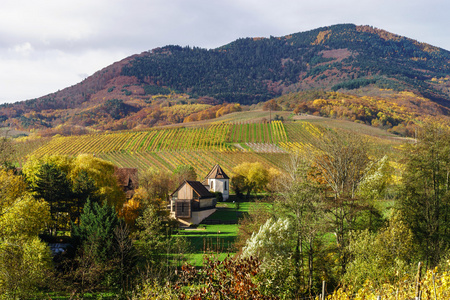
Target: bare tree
x=340, y=162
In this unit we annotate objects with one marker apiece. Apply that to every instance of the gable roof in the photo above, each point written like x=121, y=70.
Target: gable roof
x=217, y=173
x=198, y=187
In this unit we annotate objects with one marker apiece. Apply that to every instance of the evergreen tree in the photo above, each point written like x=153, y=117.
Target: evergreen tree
x=96, y=230
x=52, y=185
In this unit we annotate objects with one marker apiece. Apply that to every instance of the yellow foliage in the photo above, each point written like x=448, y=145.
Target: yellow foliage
x=322, y=37
x=130, y=210
x=27, y=217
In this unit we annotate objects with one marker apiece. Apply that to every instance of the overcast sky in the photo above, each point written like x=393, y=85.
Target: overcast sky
x=48, y=45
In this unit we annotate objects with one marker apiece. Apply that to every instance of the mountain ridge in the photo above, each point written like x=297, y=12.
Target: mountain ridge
x=249, y=71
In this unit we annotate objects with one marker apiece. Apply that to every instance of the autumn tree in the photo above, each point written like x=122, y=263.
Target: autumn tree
x=425, y=196
x=382, y=256
x=300, y=200
x=66, y=183
x=6, y=152
x=340, y=162
x=248, y=177
x=25, y=261
x=157, y=183
x=101, y=172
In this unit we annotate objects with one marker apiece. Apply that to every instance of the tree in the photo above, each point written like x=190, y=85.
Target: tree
x=300, y=200
x=425, y=195
x=6, y=152
x=25, y=261
x=52, y=185
x=380, y=257
x=101, y=172
x=248, y=177
x=105, y=252
x=274, y=245
x=12, y=188
x=156, y=240
x=96, y=229
x=340, y=162
x=25, y=264
x=157, y=183
x=185, y=172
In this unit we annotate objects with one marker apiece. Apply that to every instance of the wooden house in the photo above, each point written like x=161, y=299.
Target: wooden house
x=192, y=202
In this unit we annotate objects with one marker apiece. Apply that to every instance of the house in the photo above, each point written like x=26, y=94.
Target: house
x=193, y=201
x=127, y=178
x=218, y=181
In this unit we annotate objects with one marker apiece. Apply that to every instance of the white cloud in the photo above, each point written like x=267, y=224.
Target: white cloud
x=24, y=49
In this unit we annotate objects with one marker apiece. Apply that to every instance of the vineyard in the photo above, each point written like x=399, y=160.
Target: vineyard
x=225, y=143
x=203, y=146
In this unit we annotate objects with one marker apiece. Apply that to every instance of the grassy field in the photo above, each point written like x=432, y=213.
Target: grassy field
x=217, y=240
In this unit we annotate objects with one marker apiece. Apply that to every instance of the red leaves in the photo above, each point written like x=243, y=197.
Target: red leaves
x=227, y=279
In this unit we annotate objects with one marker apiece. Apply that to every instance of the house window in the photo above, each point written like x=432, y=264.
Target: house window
x=225, y=186
x=212, y=185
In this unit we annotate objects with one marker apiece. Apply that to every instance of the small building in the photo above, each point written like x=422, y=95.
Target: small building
x=192, y=202
x=218, y=181
x=127, y=178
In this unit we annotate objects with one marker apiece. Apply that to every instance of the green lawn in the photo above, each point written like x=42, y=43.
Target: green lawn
x=216, y=239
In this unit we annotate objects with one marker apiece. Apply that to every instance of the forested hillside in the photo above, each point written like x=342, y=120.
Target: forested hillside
x=140, y=90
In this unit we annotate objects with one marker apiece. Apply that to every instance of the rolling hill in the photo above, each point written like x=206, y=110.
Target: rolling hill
x=158, y=86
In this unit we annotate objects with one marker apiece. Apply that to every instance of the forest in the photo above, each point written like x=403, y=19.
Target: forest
x=342, y=58
x=339, y=210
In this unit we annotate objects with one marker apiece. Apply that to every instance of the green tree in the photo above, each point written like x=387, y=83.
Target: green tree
x=96, y=229
x=185, y=172
x=105, y=256
x=300, y=200
x=380, y=257
x=156, y=241
x=83, y=188
x=425, y=196
x=52, y=185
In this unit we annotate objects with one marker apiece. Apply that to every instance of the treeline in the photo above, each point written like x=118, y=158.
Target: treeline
x=398, y=112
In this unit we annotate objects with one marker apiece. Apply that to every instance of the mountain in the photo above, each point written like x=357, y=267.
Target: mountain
x=246, y=71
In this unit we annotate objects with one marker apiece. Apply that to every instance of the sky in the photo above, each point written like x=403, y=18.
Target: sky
x=48, y=45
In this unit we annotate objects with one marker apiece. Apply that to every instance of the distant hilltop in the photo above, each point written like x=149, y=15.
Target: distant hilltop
x=246, y=71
